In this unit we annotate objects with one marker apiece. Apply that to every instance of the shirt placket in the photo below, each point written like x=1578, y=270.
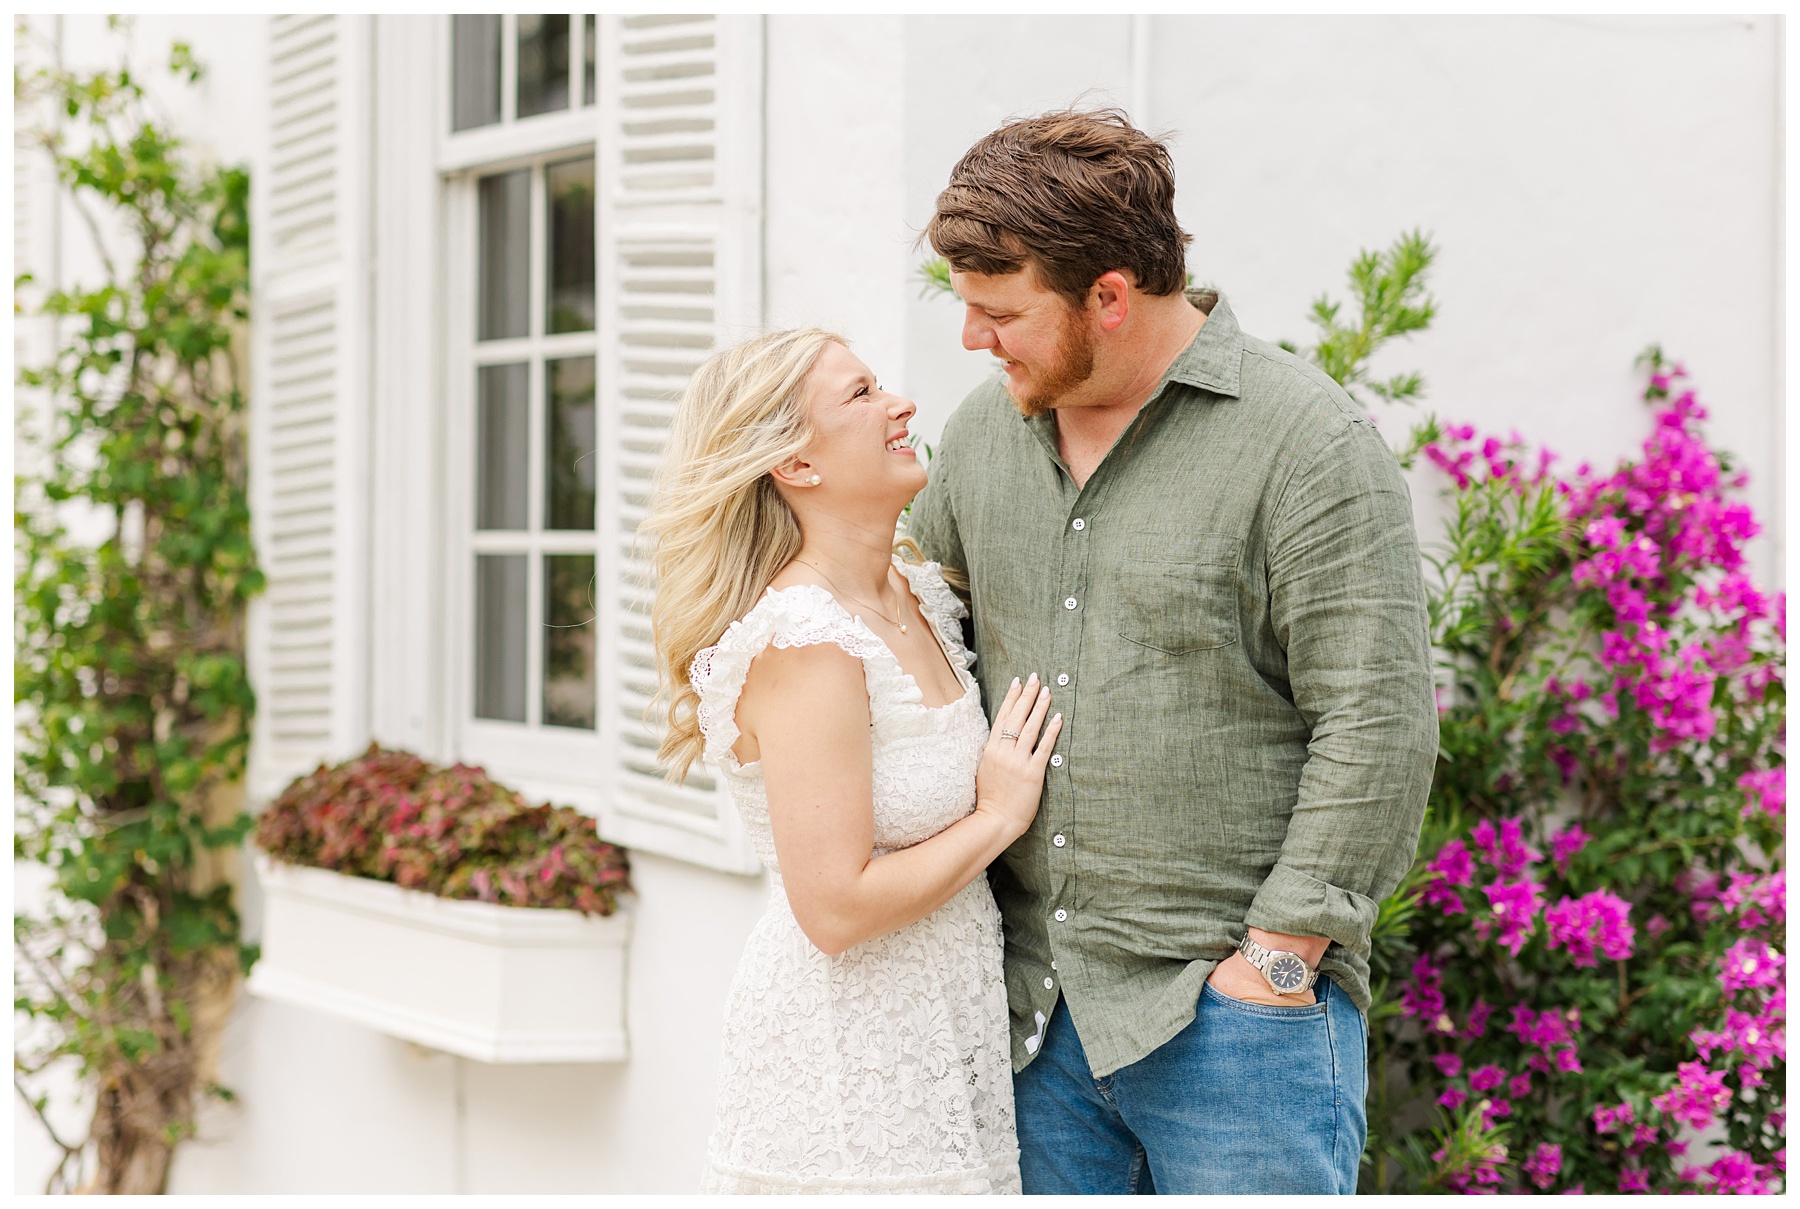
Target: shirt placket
x=1062, y=820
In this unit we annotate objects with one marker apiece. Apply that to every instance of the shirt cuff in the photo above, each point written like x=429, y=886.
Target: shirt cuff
x=1299, y=904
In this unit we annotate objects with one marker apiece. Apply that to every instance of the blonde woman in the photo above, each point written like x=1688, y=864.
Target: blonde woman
x=865, y=1040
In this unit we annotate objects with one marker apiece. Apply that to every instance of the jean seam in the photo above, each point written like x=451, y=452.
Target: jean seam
x=1337, y=1089
x=1137, y=1166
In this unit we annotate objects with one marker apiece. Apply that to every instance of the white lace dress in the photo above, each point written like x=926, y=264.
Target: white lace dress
x=885, y=1068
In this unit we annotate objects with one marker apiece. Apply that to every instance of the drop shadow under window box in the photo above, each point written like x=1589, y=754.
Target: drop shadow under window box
x=493, y=983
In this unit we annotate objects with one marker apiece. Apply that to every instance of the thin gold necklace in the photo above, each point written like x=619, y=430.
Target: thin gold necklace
x=899, y=625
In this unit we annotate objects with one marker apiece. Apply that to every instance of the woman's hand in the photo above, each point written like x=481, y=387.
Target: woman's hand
x=1010, y=782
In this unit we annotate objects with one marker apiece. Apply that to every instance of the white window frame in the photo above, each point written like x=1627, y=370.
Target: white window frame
x=510, y=750
x=568, y=766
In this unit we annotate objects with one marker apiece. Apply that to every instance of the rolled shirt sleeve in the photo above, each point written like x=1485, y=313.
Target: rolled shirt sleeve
x=1347, y=603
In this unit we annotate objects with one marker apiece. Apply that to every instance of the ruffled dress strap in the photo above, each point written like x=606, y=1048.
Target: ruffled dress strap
x=801, y=615
x=943, y=607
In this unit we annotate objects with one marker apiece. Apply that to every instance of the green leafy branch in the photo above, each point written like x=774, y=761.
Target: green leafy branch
x=1391, y=302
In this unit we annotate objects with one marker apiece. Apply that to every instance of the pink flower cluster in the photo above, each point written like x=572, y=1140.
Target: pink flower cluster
x=1544, y=1163
x=1600, y=920
x=1697, y=1097
x=1658, y=535
x=1750, y=964
x=1552, y=1033
x=1765, y=791
x=1757, y=900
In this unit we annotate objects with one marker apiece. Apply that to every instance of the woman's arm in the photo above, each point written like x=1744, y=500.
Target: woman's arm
x=806, y=710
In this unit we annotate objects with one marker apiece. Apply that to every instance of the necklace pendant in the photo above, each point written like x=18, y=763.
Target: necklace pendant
x=903, y=629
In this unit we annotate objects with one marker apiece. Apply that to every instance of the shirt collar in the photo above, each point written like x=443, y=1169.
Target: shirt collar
x=1214, y=357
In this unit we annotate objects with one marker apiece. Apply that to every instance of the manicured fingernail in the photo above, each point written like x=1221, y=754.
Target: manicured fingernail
x=1058, y=718
x=1033, y=679
x=1044, y=692
x=1015, y=682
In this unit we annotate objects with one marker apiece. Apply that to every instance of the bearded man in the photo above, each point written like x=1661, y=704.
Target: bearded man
x=1205, y=549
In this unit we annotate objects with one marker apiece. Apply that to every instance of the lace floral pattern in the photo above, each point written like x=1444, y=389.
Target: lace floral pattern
x=885, y=1068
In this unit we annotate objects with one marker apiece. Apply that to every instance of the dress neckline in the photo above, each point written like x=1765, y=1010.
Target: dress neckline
x=937, y=634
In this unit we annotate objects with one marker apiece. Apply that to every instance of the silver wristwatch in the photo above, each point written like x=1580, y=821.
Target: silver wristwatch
x=1286, y=973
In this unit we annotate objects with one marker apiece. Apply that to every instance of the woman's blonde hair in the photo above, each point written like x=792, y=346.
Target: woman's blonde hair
x=720, y=527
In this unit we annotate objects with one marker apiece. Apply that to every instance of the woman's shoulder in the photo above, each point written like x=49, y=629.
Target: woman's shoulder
x=793, y=615
x=799, y=615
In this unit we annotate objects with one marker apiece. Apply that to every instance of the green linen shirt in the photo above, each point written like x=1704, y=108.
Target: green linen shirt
x=1231, y=615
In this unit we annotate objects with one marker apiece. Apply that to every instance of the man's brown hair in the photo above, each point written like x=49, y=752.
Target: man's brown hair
x=1077, y=193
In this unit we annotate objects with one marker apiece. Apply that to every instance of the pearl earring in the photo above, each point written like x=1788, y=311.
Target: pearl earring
x=814, y=480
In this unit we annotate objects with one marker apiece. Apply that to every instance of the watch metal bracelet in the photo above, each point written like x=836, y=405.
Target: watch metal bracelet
x=1267, y=962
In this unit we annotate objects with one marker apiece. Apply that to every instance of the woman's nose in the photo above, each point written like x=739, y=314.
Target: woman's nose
x=901, y=409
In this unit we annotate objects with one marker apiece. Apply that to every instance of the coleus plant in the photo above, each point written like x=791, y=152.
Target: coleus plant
x=453, y=832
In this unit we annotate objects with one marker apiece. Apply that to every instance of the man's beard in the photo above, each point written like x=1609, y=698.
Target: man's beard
x=1074, y=365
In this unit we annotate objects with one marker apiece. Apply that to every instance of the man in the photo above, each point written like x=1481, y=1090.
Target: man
x=1208, y=552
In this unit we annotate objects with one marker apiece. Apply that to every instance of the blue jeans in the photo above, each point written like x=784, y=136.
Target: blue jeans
x=1246, y=1099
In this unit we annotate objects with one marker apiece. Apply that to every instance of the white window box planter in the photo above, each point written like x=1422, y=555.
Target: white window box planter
x=498, y=984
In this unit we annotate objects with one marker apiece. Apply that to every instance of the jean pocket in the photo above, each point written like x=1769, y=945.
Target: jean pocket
x=1180, y=605
x=1304, y=1011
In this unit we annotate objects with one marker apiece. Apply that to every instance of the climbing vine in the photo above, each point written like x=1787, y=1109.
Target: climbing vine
x=133, y=566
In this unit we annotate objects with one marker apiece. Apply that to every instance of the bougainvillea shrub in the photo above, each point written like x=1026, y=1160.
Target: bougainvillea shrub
x=1585, y=967
x=452, y=832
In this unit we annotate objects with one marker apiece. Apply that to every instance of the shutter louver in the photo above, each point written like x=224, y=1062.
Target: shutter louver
x=308, y=401
x=681, y=249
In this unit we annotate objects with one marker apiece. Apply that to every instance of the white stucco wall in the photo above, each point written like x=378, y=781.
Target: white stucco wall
x=1594, y=184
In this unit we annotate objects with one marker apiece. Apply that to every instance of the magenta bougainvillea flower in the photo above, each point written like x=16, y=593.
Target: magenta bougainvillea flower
x=1697, y=1096
x=1613, y=779
x=1750, y=964
x=1515, y=907
x=1599, y=921
x=1608, y=1119
x=1544, y=1163
x=1565, y=844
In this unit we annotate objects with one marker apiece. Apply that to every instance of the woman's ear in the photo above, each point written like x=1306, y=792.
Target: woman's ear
x=797, y=473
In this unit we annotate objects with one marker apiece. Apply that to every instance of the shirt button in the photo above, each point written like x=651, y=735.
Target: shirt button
x=1062, y=680
x=1056, y=760
x=1061, y=915
x=1049, y=983
x=1069, y=603
x=1058, y=839
x=1079, y=524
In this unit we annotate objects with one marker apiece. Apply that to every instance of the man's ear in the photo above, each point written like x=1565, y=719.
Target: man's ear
x=1111, y=297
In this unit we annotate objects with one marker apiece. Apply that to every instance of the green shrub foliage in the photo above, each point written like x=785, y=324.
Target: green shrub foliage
x=452, y=831
x=132, y=704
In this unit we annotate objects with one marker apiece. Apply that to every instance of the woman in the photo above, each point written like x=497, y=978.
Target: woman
x=865, y=1037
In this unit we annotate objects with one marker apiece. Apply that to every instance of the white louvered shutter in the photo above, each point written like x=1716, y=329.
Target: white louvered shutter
x=309, y=399
x=680, y=274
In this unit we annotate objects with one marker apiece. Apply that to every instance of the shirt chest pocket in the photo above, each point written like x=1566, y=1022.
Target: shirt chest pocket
x=1183, y=599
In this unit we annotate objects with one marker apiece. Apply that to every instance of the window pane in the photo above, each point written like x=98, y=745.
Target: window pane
x=500, y=637
x=587, y=61
x=569, y=458
x=474, y=72
x=501, y=453
x=505, y=255
x=570, y=190
x=569, y=640
x=543, y=64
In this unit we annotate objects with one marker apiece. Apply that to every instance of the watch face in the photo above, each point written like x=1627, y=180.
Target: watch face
x=1287, y=973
